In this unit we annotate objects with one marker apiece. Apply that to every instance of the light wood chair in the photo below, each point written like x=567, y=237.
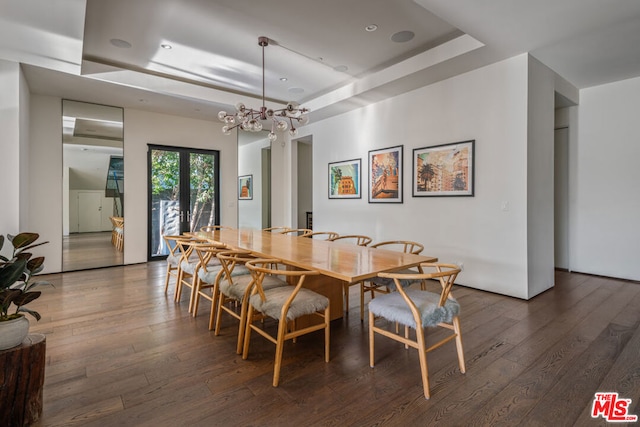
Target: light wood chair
x=173, y=259
x=207, y=228
x=189, y=264
x=385, y=285
x=285, y=304
x=275, y=229
x=205, y=284
x=419, y=309
x=322, y=235
x=118, y=231
x=296, y=231
x=235, y=285
x=357, y=239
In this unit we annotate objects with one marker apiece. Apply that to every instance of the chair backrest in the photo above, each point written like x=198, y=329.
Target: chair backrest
x=206, y=228
x=208, y=251
x=323, y=235
x=358, y=239
x=445, y=273
x=229, y=259
x=406, y=246
x=186, y=246
x=172, y=244
x=275, y=229
x=296, y=231
x=261, y=267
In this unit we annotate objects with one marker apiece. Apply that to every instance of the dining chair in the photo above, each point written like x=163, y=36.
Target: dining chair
x=173, y=258
x=235, y=285
x=205, y=282
x=386, y=285
x=284, y=304
x=296, y=231
x=321, y=235
x=189, y=263
x=419, y=309
x=118, y=229
x=360, y=240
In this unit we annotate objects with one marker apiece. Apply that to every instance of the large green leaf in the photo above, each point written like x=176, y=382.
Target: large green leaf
x=10, y=273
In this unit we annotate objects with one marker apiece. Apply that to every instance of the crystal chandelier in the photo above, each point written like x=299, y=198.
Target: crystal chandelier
x=250, y=119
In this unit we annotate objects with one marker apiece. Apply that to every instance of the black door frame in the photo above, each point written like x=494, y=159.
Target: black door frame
x=185, y=190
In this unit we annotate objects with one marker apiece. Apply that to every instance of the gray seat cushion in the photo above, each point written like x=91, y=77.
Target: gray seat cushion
x=391, y=284
x=306, y=302
x=394, y=308
x=212, y=272
x=241, y=282
x=173, y=260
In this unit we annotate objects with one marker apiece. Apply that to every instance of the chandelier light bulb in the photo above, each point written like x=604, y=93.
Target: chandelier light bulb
x=222, y=115
x=272, y=136
x=293, y=132
x=303, y=120
x=282, y=126
x=226, y=130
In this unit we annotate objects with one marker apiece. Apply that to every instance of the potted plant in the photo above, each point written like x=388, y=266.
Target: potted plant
x=16, y=286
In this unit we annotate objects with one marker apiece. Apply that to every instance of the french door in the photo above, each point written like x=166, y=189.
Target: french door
x=183, y=193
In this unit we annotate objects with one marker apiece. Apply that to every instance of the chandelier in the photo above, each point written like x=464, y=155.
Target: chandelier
x=251, y=120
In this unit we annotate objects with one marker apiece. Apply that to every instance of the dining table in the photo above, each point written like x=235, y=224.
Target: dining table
x=339, y=264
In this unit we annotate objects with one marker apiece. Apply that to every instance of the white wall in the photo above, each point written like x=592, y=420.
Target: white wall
x=250, y=163
x=10, y=143
x=540, y=178
x=488, y=105
x=305, y=182
x=605, y=236
x=142, y=128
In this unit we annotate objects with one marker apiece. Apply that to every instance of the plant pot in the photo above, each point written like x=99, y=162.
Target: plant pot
x=13, y=332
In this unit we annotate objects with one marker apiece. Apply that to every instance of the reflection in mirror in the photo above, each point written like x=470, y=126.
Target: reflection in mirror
x=254, y=161
x=93, y=186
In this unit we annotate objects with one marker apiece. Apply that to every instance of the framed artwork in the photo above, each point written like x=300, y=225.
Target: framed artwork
x=344, y=179
x=385, y=175
x=245, y=187
x=444, y=170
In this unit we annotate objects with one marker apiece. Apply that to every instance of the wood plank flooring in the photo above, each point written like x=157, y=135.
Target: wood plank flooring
x=120, y=352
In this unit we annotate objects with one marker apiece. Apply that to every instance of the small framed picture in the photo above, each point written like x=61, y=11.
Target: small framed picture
x=444, y=170
x=344, y=179
x=385, y=175
x=245, y=187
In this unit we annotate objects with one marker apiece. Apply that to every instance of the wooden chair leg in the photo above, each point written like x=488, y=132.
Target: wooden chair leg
x=247, y=334
x=422, y=354
x=327, y=333
x=195, y=286
x=178, y=286
x=241, y=330
x=362, y=301
x=456, y=329
x=371, y=338
x=221, y=301
x=282, y=328
x=166, y=282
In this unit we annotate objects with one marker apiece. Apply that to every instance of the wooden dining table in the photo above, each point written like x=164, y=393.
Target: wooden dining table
x=338, y=263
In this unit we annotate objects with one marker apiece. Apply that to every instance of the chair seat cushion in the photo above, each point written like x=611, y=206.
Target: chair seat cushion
x=189, y=266
x=173, y=260
x=241, y=282
x=390, y=283
x=212, y=272
x=306, y=302
x=393, y=307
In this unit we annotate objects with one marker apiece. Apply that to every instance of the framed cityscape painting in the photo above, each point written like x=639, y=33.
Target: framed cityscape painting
x=385, y=175
x=344, y=179
x=444, y=170
x=245, y=187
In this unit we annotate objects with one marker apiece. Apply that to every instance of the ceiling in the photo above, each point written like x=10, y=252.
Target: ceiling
x=109, y=51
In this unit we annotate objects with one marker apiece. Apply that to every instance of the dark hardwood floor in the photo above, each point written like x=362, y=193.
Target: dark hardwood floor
x=120, y=352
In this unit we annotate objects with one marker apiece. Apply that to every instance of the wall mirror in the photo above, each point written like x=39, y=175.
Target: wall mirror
x=93, y=186
x=254, y=180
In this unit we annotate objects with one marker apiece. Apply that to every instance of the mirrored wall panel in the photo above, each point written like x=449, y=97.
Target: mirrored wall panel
x=93, y=186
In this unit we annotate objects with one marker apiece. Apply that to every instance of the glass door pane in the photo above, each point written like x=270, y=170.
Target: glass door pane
x=202, y=189
x=164, y=173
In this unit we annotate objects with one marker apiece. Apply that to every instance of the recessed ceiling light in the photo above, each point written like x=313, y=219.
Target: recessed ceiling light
x=341, y=68
x=166, y=46
x=120, y=43
x=403, y=36
x=371, y=27
x=283, y=79
x=296, y=90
